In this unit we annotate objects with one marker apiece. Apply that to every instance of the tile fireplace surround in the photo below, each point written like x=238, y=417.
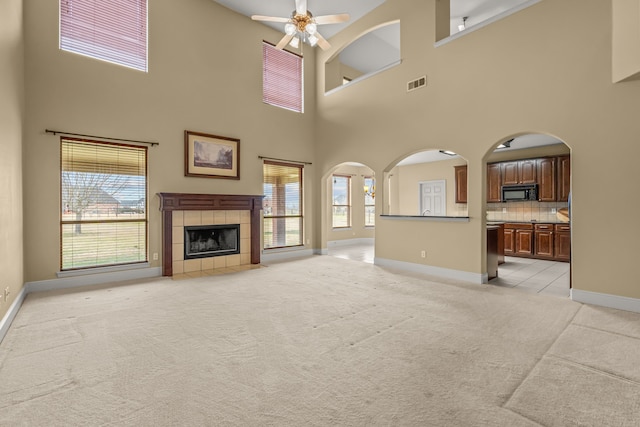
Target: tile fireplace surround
x=180, y=209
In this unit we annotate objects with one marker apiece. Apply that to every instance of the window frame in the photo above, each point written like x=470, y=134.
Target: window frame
x=347, y=205
x=272, y=91
x=300, y=216
x=63, y=209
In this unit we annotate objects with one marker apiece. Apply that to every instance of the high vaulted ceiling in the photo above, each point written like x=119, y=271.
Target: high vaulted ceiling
x=476, y=10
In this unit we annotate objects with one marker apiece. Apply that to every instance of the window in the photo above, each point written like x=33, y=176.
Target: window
x=282, y=78
x=282, y=205
x=341, y=201
x=103, y=190
x=369, y=202
x=113, y=31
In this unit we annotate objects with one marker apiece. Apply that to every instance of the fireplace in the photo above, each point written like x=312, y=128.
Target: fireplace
x=204, y=241
x=200, y=211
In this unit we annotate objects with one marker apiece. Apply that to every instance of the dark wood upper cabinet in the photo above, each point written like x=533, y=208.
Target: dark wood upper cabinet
x=520, y=172
x=510, y=174
x=527, y=170
x=547, y=179
x=494, y=183
x=461, y=183
x=564, y=178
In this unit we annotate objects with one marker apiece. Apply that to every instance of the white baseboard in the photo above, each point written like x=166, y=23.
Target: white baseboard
x=275, y=255
x=324, y=251
x=434, y=271
x=347, y=242
x=606, y=300
x=6, y=321
x=93, y=279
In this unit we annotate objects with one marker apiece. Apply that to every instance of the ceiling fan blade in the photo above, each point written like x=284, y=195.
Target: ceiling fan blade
x=331, y=19
x=301, y=7
x=322, y=42
x=283, y=42
x=269, y=18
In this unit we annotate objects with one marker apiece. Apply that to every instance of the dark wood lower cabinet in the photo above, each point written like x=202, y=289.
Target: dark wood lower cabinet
x=544, y=247
x=563, y=242
x=524, y=242
x=542, y=241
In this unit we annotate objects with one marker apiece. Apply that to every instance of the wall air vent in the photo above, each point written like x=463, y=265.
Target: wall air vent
x=417, y=83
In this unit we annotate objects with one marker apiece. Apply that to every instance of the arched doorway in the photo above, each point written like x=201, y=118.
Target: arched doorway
x=350, y=212
x=528, y=185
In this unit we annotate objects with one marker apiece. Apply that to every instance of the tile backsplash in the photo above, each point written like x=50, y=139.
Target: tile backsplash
x=524, y=211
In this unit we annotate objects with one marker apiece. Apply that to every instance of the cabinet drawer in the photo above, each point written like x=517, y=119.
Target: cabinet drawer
x=544, y=227
x=518, y=226
x=563, y=227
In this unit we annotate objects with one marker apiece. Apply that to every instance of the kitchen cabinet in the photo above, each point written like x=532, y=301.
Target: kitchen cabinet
x=562, y=244
x=494, y=183
x=518, y=239
x=524, y=242
x=461, y=183
x=519, y=172
x=547, y=179
x=544, y=241
x=564, y=178
x=509, y=240
x=493, y=234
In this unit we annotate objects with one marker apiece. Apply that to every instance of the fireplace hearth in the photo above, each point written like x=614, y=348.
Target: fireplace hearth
x=204, y=241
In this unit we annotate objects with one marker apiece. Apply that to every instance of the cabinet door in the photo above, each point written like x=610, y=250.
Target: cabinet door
x=461, y=183
x=510, y=173
x=494, y=183
x=544, y=244
x=524, y=242
x=564, y=178
x=509, y=241
x=527, y=171
x=563, y=246
x=547, y=179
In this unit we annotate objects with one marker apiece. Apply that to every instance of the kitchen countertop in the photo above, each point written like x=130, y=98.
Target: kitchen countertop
x=526, y=222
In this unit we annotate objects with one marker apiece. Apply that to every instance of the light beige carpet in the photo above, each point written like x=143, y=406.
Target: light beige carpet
x=319, y=341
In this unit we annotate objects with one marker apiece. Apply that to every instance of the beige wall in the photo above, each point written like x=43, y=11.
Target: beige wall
x=409, y=178
x=11, y=119
x=205, y=74
x=512, y=77
x=357, y=229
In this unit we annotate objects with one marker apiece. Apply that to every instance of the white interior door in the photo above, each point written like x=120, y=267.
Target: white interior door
x=433, y=198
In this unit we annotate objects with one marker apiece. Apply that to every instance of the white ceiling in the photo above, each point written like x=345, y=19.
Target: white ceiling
x=519, y=143
x=476, y=10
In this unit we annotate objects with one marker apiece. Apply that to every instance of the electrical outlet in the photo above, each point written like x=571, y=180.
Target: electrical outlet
x=504, y=210
x=155, y=256
x=423, y=254
x=7, y=292
x=308, y=241
x=553, y=210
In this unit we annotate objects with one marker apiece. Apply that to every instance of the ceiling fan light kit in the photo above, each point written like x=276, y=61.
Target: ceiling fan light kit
x=303, y=26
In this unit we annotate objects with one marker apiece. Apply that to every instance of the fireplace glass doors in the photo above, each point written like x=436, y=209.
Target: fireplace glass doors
x=205, y=241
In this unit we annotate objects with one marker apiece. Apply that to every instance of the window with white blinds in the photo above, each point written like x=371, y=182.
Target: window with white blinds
x=113, y=31
x=282, y=82
x=103, y=193
x=282, y=205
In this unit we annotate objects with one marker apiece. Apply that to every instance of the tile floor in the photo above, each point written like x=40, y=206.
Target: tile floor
x=528, y=275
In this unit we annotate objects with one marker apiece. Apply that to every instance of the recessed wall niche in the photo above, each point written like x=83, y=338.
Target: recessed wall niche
x=374, y=51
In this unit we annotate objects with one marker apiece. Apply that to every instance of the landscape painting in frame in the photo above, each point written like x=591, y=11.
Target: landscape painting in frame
x=211, y=156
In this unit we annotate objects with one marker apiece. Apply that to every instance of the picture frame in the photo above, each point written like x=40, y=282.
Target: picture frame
x=211, y=156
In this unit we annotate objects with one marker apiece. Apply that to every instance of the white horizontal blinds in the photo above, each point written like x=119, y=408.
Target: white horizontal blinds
x=103, y=190
x=282, y=78
x=282, y=205
x=110, y=30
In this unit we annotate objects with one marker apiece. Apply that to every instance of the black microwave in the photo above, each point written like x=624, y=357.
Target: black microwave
x=519, y=192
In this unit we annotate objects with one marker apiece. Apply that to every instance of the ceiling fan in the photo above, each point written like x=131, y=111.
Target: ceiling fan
x=303, y=26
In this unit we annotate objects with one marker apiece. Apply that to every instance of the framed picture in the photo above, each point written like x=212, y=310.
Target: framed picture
x=211, y=156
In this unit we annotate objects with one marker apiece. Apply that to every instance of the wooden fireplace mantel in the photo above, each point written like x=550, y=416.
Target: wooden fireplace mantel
x=170, y=202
